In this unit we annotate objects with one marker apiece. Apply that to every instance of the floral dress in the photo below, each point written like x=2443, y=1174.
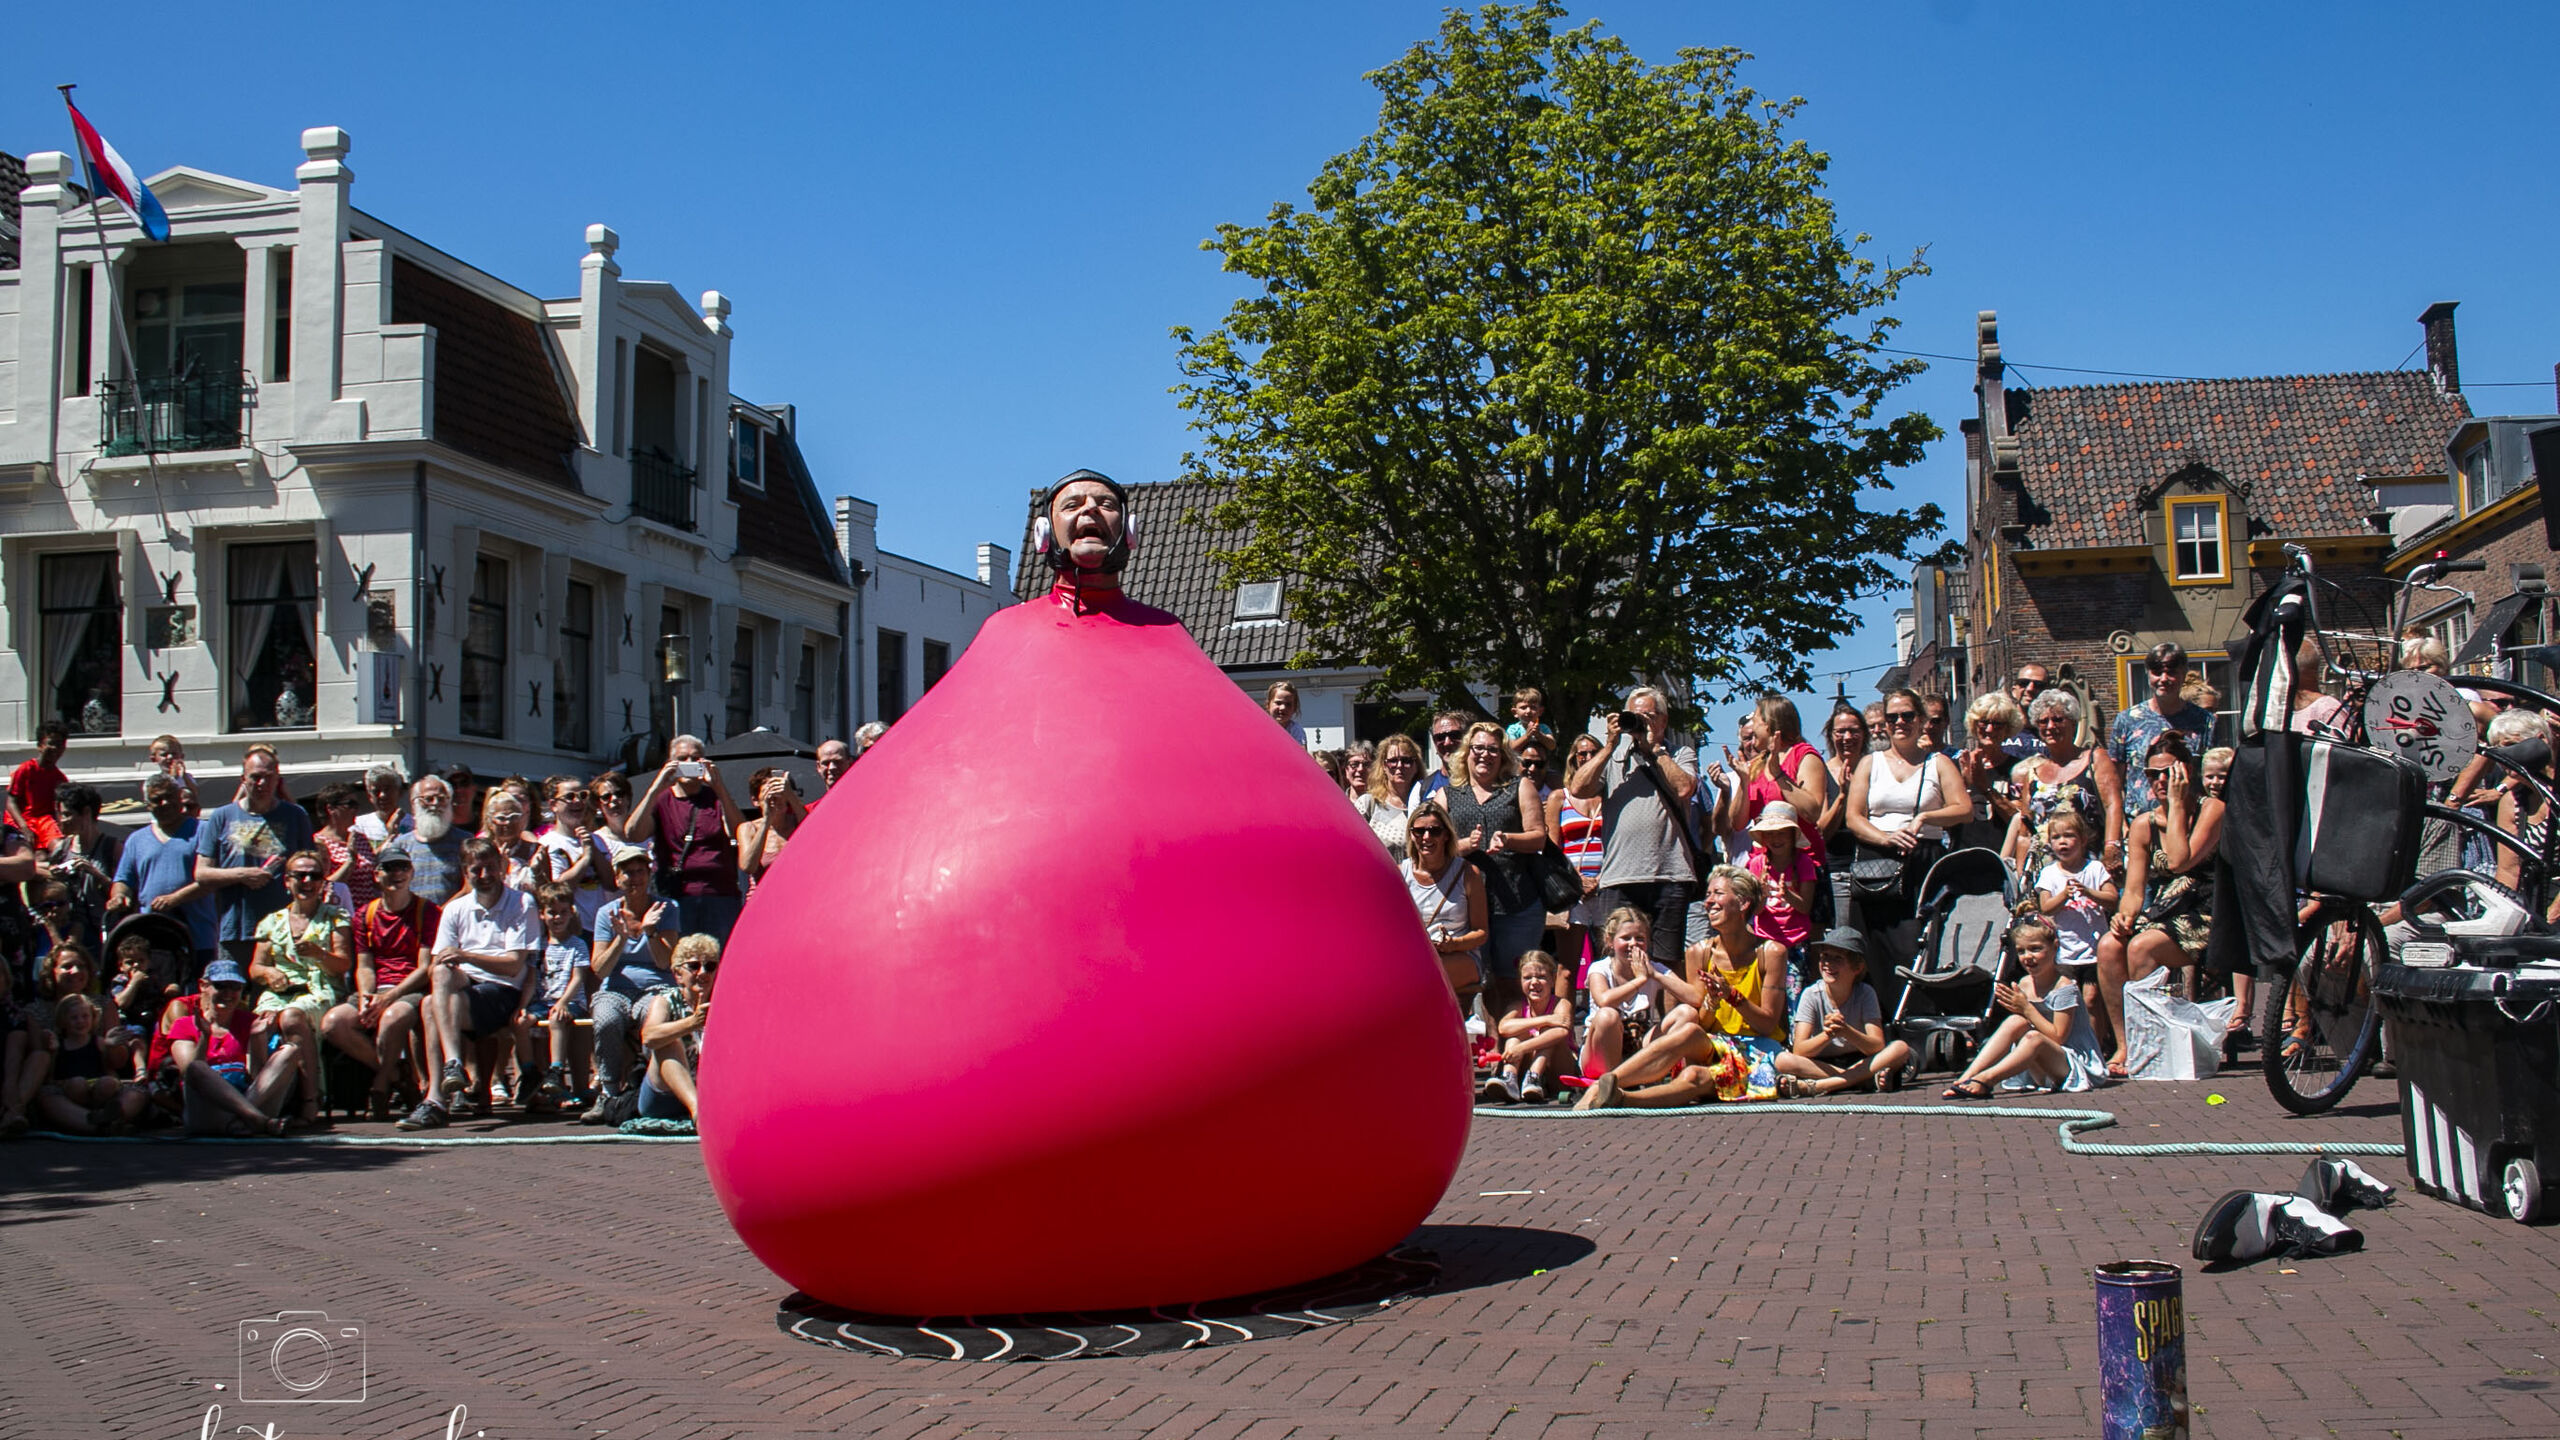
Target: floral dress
x=2187, y=899
x=310, y=987
x=2043, y=799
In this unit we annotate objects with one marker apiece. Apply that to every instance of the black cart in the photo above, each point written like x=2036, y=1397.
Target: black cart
x=2478, y=1050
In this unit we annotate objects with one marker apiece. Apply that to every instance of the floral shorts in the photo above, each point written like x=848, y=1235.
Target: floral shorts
x=1744, y=1067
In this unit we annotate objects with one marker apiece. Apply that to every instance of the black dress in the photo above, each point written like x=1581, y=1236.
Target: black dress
x=1510, y=885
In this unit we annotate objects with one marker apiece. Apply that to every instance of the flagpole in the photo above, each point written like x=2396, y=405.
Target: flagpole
x=123, y=337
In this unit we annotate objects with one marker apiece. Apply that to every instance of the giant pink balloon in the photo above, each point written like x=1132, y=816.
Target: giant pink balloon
x=1082, y=989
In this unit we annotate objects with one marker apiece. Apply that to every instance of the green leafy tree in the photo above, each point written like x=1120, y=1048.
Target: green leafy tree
x=1567, y=377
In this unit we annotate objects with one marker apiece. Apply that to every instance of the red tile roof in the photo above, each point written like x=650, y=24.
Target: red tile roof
x=2089, y=455
x=497, y=395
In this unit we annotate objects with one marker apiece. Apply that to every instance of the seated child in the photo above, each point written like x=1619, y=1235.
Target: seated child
x=1625, y=987
x=146, y=981
x=83, y=1095
x=2046, y=1041
x=1839, y=1039
x=557, y=1002
x=1536, y=1035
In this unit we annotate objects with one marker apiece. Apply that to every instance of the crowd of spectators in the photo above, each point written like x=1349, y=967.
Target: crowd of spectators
x=1618, y=913
x=404, y=947
x=1622, y=915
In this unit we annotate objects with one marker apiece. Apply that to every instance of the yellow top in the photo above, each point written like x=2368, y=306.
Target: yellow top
x=1728, y=1019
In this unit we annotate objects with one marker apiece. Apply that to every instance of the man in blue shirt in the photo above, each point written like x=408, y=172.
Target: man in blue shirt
x=241, y=849
x=157, y=872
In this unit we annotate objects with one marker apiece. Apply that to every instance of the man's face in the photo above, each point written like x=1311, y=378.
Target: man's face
x=1086, y=521
x=2032, y=681
x=1445, y=735
x=395, y=878
x=2165, y=679
x=433, y=800
x=168, y=807
x=385, y=794
x=834, y=758
x=686, y=753
x=260, y=773
x=49, y=749
x=486, y=873
x=1651, y=709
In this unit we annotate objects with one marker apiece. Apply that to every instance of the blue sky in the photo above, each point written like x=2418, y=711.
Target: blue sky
x=956, y=236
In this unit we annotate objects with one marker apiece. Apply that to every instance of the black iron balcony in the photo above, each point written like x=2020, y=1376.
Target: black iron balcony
x=170, y=414
x=661, y=488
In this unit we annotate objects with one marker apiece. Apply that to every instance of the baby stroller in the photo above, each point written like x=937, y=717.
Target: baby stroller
x=173, y=953
x=1945, y=1009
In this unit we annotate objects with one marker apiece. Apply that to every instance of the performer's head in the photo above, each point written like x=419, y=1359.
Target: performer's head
x=1088, y=518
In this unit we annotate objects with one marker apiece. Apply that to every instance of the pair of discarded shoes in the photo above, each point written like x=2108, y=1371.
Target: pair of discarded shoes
x=2250, y=1225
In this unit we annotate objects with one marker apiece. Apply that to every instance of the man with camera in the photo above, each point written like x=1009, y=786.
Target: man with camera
x=1648, y=861
x=688, y=809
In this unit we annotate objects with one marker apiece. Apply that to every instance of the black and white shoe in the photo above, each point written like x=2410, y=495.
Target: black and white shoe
x=454, y=1081
x=2250, y=1225
x=2339, y=1186
x=428, y=1116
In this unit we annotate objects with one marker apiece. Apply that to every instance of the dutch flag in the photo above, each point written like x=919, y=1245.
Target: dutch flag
x=110, y=175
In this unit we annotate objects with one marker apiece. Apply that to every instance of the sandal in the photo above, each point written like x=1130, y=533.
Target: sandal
x=239, y=1129
x=2116, y=1071
x=1966, y=1090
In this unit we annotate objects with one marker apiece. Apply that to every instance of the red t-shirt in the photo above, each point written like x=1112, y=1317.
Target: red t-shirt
x=32, y=785
x=397, y=938
x=227, y=1045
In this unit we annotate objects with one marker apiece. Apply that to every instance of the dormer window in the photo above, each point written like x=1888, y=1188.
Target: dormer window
x=2198, y=554
x=1259, y=600
x=746, y=452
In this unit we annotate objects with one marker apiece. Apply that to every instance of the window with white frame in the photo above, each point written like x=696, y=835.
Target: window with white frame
x=572, y=666
x=270, y=643
x=2196, y=539
x=1258, y=600
x=79, y=610
x=746, y=451
x=484, y=650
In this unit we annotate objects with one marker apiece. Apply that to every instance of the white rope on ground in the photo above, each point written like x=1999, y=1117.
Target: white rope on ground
x=2074, y=1124
x=391, y=1141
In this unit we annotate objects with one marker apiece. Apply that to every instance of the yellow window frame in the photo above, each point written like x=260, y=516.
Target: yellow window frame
x=2222, y=522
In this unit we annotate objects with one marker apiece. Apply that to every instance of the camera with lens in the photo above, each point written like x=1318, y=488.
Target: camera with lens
x=301, y=1357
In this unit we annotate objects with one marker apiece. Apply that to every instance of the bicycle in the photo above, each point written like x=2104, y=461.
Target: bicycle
x=2318, y=1028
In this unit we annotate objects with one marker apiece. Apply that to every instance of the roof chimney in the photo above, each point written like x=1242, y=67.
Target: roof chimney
x=2440, y=357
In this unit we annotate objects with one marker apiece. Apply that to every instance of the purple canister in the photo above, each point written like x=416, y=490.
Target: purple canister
x=2142, y=1350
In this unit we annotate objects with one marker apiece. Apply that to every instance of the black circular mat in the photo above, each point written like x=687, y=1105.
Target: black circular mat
x=1360, y=1291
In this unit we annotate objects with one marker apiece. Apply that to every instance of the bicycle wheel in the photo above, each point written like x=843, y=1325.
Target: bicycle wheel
x=2318, y=1028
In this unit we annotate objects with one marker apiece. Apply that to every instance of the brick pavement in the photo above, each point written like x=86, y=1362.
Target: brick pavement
x=1823, y=1276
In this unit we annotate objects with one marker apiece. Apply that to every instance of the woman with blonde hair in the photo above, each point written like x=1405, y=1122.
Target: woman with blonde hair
x=1986, y=766
x=1723, y=1041
x=1500, y=826
x=1392, y=776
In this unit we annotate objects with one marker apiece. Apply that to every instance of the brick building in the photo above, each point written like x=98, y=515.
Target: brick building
x=2487, y=505
x=2103, y=519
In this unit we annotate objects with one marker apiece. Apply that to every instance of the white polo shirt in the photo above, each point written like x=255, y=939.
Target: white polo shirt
x=470, y=927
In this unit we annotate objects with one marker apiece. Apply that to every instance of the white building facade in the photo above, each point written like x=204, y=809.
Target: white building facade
x=324, y=486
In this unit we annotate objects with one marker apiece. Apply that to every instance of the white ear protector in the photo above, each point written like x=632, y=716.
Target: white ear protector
x=1044, y=536
x=1040, y=536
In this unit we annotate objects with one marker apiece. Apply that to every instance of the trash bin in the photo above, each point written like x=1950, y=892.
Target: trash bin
x=2478, y=1050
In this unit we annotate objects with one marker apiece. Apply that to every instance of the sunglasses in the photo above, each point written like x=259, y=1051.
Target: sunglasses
x=2025, y=684
x=302, y=875
x=1400, y=760
x=1484, y=749
x=712, y=968
x=1420, y=832
x=1446, y=738
x=1899, y=717
x=2163, y=669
